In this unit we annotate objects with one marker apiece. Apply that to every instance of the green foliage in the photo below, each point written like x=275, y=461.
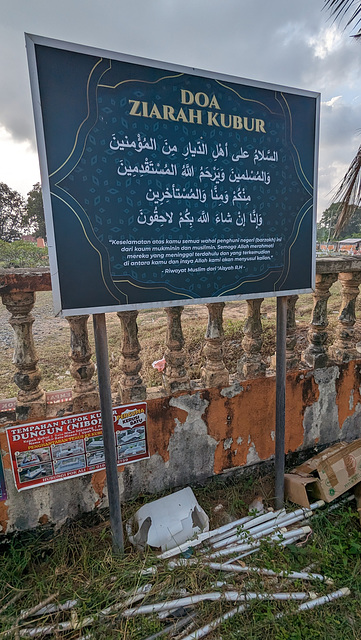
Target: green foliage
x=35, y=211
x=233, y=329
x=21, y=254
x=326, y=226
x=18, y=217
x=12, y=212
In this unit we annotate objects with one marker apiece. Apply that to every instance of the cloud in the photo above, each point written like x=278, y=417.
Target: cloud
x=328, y=40
x=229, y=37
x=288, y=43
x=333, y=100
x=340, y=126
x=19, y=167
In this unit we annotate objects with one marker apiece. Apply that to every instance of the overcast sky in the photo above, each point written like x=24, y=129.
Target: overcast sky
x=280, y=41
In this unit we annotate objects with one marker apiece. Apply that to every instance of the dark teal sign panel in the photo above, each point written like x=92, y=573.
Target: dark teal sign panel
x=168, y=186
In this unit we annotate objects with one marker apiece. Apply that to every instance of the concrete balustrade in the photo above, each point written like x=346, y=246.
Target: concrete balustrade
x=197, y=428
x=18, y=290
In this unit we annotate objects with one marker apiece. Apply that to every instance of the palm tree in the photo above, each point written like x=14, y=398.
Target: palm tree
x=349, y=192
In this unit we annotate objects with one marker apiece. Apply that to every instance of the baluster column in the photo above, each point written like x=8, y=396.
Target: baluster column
x=214, y=372
x=31, y=400
x=131, y=387
x=343, y=349
x=251, y=365
x=175, y=376
x=85, y=395
x=316, y=353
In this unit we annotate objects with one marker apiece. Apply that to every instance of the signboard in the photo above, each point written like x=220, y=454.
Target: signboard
x=3, y=493
x=61, y=448
x=62, y=395
x=165, y=185
x=7, y=405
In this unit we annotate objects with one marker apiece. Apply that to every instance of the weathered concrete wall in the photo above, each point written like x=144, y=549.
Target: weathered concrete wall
x=195, y=435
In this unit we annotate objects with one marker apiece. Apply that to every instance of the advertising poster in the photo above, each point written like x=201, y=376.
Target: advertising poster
x=61, y=448
x=167, y=185
x=3, y=494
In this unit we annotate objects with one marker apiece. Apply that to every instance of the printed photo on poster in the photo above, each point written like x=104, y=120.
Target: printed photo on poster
x=131, y=433
x=61, y=448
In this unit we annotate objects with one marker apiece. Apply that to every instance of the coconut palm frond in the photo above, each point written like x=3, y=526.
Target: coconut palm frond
x=355, y=20
x=339, y=9
x=356, y=15
x=349, y=193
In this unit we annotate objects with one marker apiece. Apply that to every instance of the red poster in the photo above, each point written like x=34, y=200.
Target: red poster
x=52, y=450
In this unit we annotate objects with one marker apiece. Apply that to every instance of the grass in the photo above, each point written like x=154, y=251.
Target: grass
x=78, y=563
x=51, y=337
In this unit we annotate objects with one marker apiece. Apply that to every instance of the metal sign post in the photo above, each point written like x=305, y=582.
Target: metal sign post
x=280, y=399
x=101, y=349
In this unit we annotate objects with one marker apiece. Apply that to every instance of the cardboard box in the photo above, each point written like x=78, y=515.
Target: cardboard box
x=325, y=476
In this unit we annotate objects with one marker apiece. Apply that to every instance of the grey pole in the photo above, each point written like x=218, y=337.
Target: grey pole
x=101, y=350
x=280, y=400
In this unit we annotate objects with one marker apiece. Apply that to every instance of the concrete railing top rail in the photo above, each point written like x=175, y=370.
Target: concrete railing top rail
x=38, y=279
x=25, y=279
x=339, y=264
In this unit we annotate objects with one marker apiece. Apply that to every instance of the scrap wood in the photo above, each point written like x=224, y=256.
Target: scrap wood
x=238, y=568
x=12, y=600
x=276, y=524
x=224, y=531
x=137, y=595
x=74, y=623
x=277, y=537
x=55, y=608
x=203, y=631
x=291, y=575
x=208, y=628
x=316, y=602
x=174, y=612
x=27, y=632
x=244, y=527
x=27, y=613
x=282, y=543
x=292, y=536
x=45, y=608
x=178, y=625
x=310, y=604
x=230, y=596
